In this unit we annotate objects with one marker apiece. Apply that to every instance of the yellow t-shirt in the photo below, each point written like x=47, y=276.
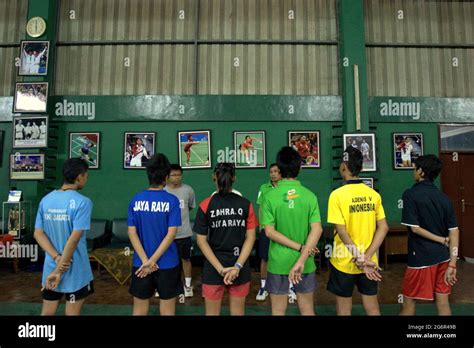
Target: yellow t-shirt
x=358, y=207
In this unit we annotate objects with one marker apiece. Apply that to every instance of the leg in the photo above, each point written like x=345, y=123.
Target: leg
x=442, y=304
x=408, y=306
x=140, y=307
x=371, y=304
x=168, y=307
x=187, y=268
x=74, y=308
x=263, y=269
x=237, y=305
x=213, y=307
x=49, y=307
x=343, y=305
x=279, y=304
x=306, y=303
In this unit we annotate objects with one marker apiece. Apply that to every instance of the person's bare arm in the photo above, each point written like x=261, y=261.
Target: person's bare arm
x=450, y=277
x=206, y=250
x=136, y=244
x=348, y=242
x=244, y=255
x=380, y=234
x=428, y=235
x=44, y=242
x=280, y=238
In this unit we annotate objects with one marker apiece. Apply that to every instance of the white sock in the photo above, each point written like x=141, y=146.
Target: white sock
x=187, y=280
x=262, y=282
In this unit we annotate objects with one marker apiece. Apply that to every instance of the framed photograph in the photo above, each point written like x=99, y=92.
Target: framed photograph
x=194, y=149
x=365, y=143
x=1, y=147
x=307, y=145
x=30, y=131
x=407, y=147
x=368, y=181
x=138, y=148
x=34, y=58
x=26, y=166
x=30, y=97
x=249, y=149
x=85, y=146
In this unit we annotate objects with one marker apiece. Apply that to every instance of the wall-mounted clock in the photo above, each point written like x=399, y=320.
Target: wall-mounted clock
x=36, y=27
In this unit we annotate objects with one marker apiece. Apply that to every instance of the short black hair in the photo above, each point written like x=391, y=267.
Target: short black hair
x=353, y=159
x=176, y=166
x=225, y=175
x=158, y=168
x=273, y=165
x=72, y=168
x=289, y=162
x=430, y=165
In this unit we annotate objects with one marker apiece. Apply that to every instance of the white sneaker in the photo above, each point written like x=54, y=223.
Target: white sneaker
x=262, y=294
x=157, y=294
x=292, y=295
x=188, y=291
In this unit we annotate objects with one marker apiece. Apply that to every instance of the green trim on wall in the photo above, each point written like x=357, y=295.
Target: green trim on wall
x=420, y=109
x=195, y=108
x=352, y=47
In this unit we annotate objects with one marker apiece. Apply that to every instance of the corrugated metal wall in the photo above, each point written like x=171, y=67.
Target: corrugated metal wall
x=268, y=20
x=268, y=69
x=12, y=30
x=424, y=21
x=264, y=69
x=418, y=71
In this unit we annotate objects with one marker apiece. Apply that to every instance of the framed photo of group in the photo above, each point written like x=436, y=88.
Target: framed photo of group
x=30, y=97
x=365, y=143
x=30, y=131
x=26, y=166
x=34, y=58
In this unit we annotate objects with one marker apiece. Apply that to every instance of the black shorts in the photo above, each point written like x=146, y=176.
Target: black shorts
x=50, y=295
x=166, y=281
x=263, y=245
x=342, y=284
x=185, y=247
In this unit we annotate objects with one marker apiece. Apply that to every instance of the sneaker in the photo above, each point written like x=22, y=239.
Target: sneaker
x=157, y=294
x=188, y=291
x=292, y=294
x=262, y=294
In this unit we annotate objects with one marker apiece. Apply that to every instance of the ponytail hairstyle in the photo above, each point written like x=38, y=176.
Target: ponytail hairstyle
x=224, y=174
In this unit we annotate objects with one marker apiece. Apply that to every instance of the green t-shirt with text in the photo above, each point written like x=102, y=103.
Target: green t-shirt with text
x=291, y=209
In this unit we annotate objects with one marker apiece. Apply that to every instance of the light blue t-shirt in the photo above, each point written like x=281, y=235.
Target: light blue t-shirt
x=60, y=213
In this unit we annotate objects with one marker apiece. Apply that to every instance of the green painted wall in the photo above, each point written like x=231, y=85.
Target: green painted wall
x=112, y=187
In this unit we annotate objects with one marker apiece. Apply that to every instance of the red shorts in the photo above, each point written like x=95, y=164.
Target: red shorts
x=423, y=283
x=216, y=292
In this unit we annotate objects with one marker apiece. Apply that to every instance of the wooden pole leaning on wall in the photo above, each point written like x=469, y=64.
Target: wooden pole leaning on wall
x=357, y=96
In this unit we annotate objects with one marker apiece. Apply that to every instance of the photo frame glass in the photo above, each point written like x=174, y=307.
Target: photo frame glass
x=26, y=166
x=407, y=147
x=86, y=146
x=365, y=143
x=31, y=97
x=307, y=145
x=138, y=148
x=249, y=149
x=194, y=149
x=30, y=132
x=34, y=57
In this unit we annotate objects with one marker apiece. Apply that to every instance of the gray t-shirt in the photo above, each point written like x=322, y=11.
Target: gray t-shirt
x=187, y=201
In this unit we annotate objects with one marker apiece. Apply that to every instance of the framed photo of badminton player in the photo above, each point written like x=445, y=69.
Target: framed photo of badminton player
x=138, y=148
x=249, y=149
x=194, y=149
x=26, y=166
x=85, y=146
x=30, y=97
x=307, y=145
x=368, y=181
x=34, y=58
x=407, y=147
x=365, y=143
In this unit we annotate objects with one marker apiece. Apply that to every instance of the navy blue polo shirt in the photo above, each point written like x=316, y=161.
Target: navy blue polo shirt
x=425, y=206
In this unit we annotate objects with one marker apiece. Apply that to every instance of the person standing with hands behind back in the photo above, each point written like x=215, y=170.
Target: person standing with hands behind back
x=225, y=225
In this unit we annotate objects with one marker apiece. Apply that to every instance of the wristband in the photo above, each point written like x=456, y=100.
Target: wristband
x=238, y=266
